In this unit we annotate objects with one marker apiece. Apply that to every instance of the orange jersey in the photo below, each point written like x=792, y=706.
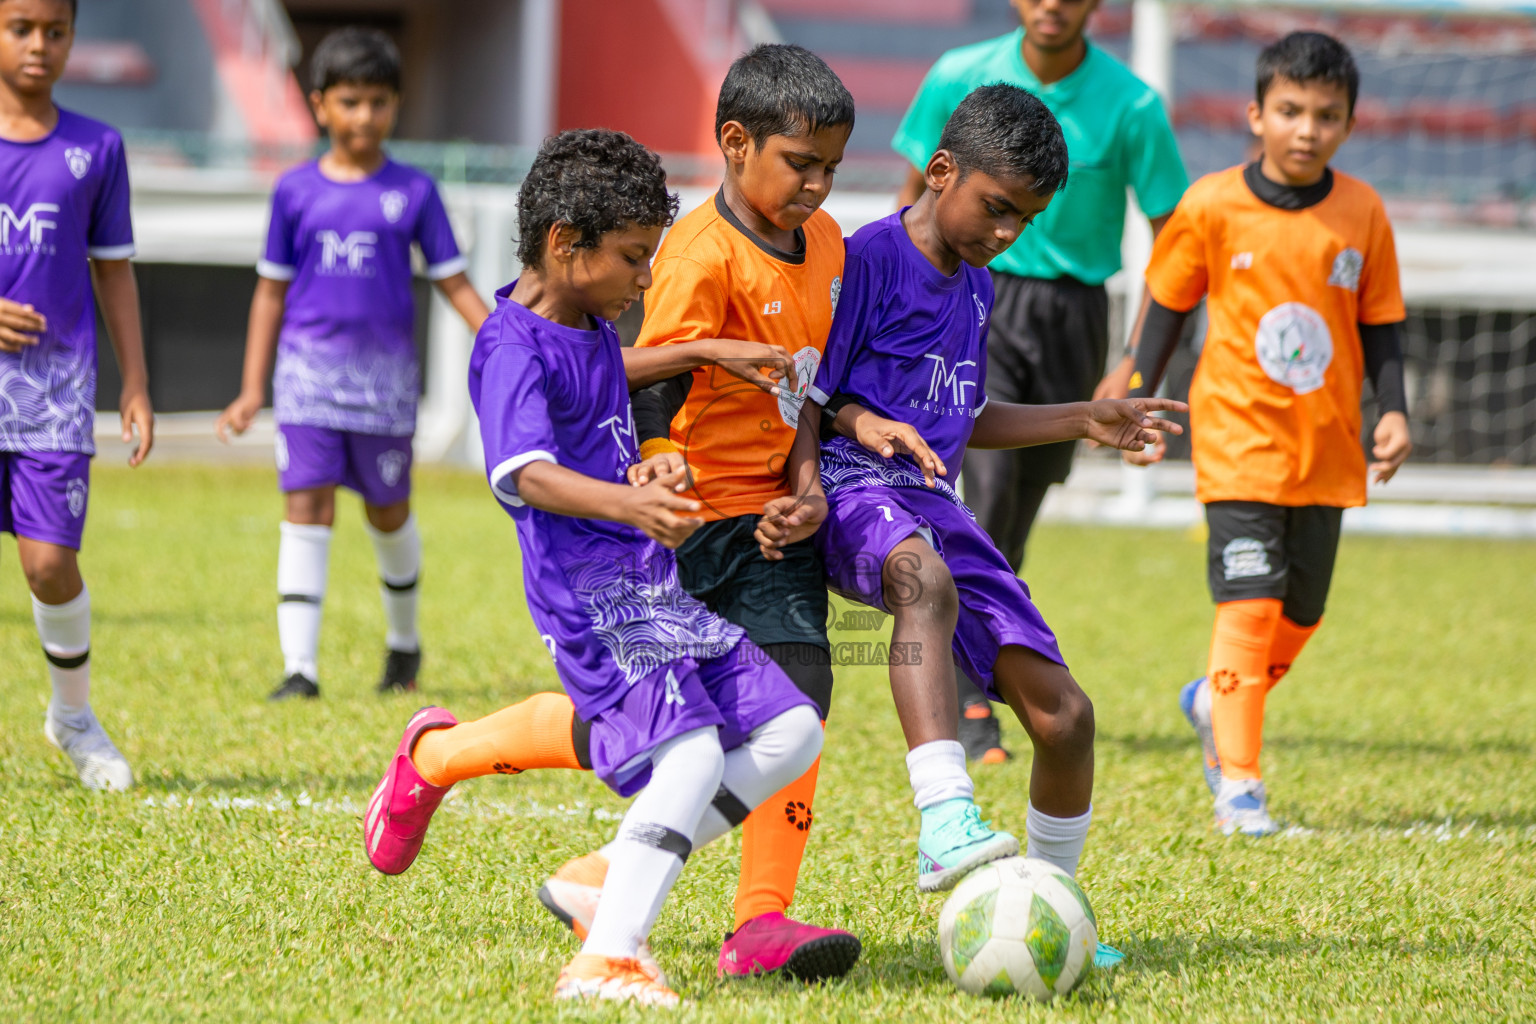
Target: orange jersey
x=711, y=279
x=1275, y=403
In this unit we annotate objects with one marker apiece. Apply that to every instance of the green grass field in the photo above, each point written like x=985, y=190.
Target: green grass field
x=232, y=885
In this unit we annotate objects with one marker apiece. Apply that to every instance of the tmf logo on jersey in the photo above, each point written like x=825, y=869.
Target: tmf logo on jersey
x=29, y=227
x=623, y=430
x=948, y=377
x=352, y=251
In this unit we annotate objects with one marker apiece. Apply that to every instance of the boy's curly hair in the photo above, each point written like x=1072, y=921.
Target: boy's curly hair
x=595, y=180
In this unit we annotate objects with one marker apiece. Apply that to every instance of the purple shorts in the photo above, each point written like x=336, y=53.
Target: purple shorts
x=863, y=526
x=376, y=466
x=43, y=495
x=738, y=692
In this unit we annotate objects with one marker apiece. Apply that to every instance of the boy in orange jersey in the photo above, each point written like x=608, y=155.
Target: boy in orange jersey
x=1304, y=299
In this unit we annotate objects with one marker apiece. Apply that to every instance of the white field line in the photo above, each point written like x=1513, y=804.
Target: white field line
x=1446, y=831
x=277, y=803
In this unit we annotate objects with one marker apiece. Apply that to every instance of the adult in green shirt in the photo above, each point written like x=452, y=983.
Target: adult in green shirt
x=1049, y=335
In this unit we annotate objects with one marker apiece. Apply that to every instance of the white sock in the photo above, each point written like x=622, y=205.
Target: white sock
x=1058, y=840
x=937, y=773
x=399, y=555
x=653, y=842
x=302, y=557
x=778, y=752
x=65, y=630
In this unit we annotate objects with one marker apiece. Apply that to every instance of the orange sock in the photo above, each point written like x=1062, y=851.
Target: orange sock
x=772, y=846
x=1286, y=647
x=1239, y=674
x=535, y=733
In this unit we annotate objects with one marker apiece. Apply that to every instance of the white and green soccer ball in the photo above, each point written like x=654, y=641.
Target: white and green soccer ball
x=1018, y=925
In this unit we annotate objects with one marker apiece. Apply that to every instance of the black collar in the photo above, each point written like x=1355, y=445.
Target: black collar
x=1287, y=197
x=796, y=258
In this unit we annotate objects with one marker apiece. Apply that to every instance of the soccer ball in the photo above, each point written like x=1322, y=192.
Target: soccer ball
x=1018, y=925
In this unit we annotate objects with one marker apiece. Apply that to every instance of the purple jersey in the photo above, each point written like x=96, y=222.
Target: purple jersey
x=346, y=357
x=909, y=344
x=63, y=202
x=604, y=596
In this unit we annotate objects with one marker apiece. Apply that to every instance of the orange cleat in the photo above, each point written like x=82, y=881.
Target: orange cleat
x=572, y=893
x=612, y=979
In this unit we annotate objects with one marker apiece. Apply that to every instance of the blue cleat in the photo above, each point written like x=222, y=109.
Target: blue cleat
x=1195, y=702
x=953, y=841
x=1242, y=807
x=1107, y=957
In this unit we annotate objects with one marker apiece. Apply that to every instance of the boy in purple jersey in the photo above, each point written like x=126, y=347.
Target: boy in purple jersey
x=679, y=701
x=334, y=300
x=64, y=228
x=908, y=345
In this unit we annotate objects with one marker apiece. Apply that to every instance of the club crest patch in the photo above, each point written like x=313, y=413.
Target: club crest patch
x=391, y=465
x=1244, y=557
x=393, y=205
x=280, y=451
x=806, y=361
x=78, y=160
x=1346, y=269
x=1294, y=346
x=75, y=494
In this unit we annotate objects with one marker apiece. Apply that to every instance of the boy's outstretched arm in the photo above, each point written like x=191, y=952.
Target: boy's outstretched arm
x=766, y=366
x=1152, y=344
x=117, y=292
x=653, y=508
x=461, y=295
x=1117, y=423
x=797, y=515
x=260, y=346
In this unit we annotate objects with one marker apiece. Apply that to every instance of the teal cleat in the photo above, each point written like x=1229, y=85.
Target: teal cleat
x=953, y=841
x=1107, y=957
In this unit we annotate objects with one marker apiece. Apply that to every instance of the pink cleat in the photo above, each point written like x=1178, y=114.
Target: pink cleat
x=402, y=807
x=772, y=942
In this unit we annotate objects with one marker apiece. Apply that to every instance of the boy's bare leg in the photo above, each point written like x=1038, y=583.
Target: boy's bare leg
x=920, y=593
x=1059, y=719
x=1058, y=716
x=925, y=606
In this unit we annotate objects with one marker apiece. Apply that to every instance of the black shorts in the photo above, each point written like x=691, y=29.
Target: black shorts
x=1046, y=345
x=783, y=602
x=1259, y=550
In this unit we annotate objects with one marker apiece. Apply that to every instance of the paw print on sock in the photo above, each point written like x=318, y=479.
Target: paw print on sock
x=1224, y=681
x=1278, y=670
x=503, y=768
x=799, y=815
